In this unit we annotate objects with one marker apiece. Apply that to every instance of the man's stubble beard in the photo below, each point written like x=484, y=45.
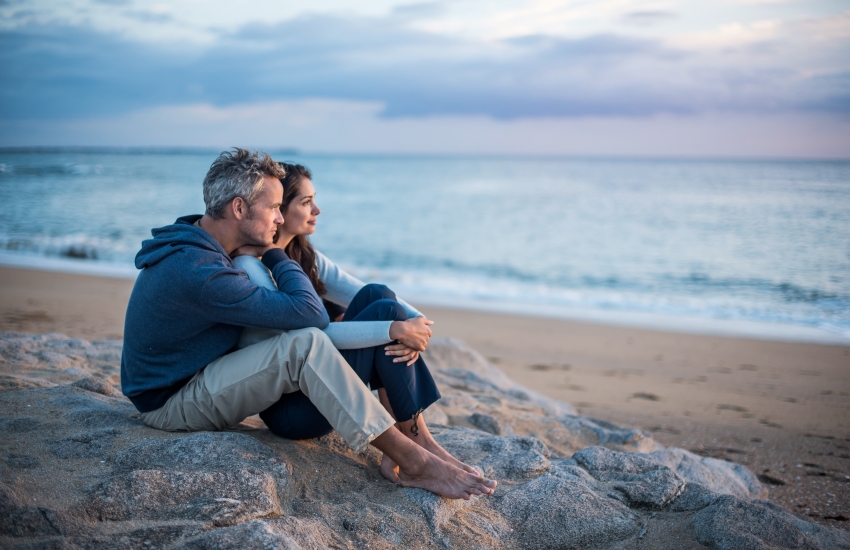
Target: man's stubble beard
x=254, y=238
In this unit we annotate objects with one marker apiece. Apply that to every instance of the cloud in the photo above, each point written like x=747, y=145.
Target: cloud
x=335, y=126
x=52, y=71
x=648, y=18
x=419, y=10
x=149, y=16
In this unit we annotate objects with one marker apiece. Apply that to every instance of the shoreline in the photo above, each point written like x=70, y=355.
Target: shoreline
x=779, y=408
x=658, y=321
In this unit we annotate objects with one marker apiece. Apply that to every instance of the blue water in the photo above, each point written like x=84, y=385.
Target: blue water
x=704, y=244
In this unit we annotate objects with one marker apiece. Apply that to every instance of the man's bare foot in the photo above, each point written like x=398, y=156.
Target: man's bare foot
x=419, y=468
x=389, y=469
x=447, y=480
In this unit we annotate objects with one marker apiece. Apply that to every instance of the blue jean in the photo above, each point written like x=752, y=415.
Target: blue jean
x=409, y=389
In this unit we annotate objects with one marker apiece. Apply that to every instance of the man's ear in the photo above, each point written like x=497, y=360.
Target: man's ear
x=239, y=208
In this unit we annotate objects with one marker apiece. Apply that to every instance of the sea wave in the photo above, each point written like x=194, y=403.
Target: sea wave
x=679, y=312
x=723, y=243
x=77, y=246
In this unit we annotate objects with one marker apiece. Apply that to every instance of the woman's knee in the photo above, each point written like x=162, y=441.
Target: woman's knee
x=295, y=417
x=390, y=310
x=378, y=292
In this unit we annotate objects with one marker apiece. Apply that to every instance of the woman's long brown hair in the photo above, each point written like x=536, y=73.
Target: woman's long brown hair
x=299, y=248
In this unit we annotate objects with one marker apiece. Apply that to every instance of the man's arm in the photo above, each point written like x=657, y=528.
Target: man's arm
x=230, y=297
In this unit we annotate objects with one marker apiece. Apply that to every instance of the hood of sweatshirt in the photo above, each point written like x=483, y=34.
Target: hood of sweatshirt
x=174, y=238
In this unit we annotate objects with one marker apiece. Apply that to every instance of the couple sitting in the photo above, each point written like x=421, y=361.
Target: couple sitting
x=226, y=320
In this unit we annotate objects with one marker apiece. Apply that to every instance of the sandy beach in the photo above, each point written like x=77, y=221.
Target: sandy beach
x=779, y=408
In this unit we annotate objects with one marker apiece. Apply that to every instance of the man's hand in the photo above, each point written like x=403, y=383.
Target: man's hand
x=413, y=333
x=251, y=250
x=407, y=354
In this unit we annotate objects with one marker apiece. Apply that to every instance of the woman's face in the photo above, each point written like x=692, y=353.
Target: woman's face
x=300, y=215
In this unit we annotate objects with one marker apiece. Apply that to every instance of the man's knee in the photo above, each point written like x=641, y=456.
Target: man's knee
x=304, y=338
x=309, y=334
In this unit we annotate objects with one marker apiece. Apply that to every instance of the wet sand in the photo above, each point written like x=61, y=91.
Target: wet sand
x=782, y=409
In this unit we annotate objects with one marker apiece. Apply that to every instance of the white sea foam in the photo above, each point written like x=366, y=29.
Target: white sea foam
x=746, y=248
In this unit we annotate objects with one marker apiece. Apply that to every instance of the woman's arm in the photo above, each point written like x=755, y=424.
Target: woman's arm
x=354, y=335
x=342, y=287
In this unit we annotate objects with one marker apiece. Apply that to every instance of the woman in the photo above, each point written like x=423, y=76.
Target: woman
x=405, y=386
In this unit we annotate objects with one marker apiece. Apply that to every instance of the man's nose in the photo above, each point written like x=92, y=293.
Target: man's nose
x=278, y=219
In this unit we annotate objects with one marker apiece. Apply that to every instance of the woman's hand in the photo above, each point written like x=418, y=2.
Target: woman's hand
x=413, y=333
x=405, y=353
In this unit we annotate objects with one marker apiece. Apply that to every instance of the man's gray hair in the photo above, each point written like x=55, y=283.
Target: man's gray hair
x=237, y=174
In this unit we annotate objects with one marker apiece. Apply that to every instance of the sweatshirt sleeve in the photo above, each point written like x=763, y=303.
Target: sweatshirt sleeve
x=353, y=335
x=230, y=297
x=359, y=334
x=342, y=287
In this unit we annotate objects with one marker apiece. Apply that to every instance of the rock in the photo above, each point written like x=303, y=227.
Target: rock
x=199, y=451
x=643, y=481
x=19, y=425
x=97, y=385
x=15, y=383
x=252, y=535
x=445, y=355
x=438, y=510
x=90, y=410
x=435, y=415
x=730, y=523
x=719, y=476
x=478, y=395
x=223, y=478
x=71, y=443
x=90, y=444
x=168, y=535
x=564, y=512
x=694, y=497
x=610, y=435
x=19, y=520
x=511, y=457
x=486, y=423
x=55, y=358
x=22, y=462
x=309, y=534
x=222, y=498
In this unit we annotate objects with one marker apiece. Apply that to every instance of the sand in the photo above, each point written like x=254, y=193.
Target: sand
x=780, y=408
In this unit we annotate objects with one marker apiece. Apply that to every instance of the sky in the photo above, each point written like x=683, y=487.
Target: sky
x=750, y=78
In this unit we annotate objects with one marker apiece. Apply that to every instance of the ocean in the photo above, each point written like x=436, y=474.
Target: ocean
x=757, y=248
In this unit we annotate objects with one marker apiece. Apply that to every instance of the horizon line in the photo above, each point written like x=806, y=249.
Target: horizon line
x=285, y=150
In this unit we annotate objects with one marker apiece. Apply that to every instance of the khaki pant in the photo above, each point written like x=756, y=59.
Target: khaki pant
x=248, y=381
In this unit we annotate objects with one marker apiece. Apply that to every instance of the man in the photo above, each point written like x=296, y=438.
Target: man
x=189, y=306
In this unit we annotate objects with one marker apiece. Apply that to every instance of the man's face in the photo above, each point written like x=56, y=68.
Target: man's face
x=259, y=226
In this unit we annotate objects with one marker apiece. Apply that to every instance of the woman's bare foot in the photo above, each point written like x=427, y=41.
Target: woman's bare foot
x=435, y=449
x=425, y=440
x=419, y=468
x=447, y=480
x=389, y=469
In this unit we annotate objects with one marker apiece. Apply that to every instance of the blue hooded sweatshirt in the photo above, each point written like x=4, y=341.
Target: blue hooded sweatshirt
x=189, y=306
